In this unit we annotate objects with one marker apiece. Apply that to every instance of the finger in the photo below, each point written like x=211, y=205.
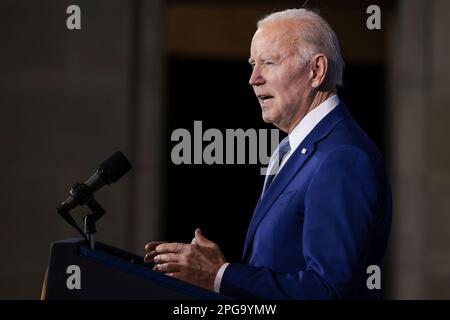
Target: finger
x=167, y=257
x=149, y=257
x=171, y=247
x=152, y=245
x=168, y=267
x=176, y=275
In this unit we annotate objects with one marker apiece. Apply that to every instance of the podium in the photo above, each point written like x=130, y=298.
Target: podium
x=75, y=271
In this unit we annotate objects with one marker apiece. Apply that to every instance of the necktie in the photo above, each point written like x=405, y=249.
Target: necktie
x=283, y=149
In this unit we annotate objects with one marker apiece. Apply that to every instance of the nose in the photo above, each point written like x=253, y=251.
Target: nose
x=256, y=77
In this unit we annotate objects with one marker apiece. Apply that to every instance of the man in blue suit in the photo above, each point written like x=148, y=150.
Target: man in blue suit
x=324, y=215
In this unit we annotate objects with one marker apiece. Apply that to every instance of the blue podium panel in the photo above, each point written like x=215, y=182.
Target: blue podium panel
x=76, y=271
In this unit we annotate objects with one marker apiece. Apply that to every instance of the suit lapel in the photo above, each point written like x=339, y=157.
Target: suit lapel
x=291, y=167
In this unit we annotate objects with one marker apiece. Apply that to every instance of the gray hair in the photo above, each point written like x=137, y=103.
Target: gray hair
x=316, y=32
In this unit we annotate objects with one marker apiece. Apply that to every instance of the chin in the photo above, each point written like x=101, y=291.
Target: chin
x=268, y=118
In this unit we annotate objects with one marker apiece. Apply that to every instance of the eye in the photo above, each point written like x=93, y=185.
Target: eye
x=268, y=63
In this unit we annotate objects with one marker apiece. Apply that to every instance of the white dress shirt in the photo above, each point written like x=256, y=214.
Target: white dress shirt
x=303, y=128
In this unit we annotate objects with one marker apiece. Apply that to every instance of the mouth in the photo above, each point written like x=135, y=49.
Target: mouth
x=264, y=98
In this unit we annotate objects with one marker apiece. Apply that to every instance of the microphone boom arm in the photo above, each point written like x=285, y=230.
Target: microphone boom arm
x=82, y=193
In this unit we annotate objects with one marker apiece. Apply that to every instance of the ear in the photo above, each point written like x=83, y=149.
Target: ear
x=319, y=68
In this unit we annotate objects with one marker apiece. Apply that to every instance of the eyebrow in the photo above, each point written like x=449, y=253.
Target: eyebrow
x=275, y=57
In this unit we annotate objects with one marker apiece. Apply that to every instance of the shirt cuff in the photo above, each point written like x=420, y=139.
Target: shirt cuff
x=219, y=275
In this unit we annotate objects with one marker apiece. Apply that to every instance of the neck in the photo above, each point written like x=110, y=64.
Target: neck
x=317, y=98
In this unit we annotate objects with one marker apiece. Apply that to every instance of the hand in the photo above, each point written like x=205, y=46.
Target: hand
x=196, y=263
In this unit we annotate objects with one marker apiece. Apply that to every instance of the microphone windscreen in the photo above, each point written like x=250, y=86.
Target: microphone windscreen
x=113, y=168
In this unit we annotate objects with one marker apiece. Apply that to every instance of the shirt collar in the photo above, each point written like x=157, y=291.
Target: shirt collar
x=310, y=120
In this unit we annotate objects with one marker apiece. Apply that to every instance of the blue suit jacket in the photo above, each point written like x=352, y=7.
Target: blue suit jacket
x=323, y=220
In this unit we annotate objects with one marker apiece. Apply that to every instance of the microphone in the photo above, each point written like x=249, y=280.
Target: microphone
x=109, y=171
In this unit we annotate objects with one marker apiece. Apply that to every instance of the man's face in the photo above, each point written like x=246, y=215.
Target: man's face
x=279, y=80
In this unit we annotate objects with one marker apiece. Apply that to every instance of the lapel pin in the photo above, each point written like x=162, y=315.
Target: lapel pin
x=304, y=151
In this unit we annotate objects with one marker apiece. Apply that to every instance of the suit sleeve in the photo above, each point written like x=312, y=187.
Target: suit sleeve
x=341, y=204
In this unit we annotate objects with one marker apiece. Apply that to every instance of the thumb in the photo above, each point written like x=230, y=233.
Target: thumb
x=200, y=238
